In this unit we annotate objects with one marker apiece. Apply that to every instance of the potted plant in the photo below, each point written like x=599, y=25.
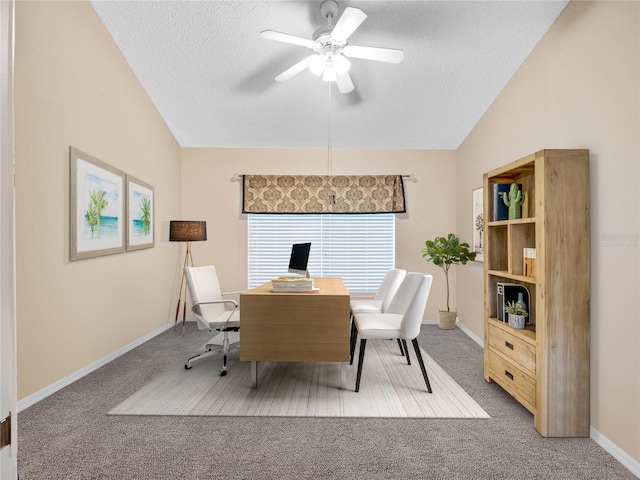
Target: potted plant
x=445, y=252
x=517, y=314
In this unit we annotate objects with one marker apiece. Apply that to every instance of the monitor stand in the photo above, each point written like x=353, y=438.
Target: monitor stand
x=302, y=273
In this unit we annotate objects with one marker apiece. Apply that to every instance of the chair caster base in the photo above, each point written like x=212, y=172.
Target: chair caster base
x=223, y=373
x=187, y=367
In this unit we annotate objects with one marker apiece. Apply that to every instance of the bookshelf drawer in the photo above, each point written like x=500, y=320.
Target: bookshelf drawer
x=514, y=380
x=517, y=350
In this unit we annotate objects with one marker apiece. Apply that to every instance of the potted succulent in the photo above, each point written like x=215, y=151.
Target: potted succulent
x=445, y=252
x=516, y=313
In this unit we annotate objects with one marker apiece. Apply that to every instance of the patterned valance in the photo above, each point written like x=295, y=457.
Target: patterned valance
x=323, y=194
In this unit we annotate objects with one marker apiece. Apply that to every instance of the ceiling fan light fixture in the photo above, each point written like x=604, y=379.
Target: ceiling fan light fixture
x=331, y=49
x=317, y=64
x=341, y=64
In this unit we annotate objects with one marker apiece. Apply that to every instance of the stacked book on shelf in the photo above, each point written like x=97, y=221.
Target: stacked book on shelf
x=500, y=209
x=529, y=262
x=292, y=284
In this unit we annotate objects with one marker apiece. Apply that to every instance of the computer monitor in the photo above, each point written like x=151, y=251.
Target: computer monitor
x=299, y=258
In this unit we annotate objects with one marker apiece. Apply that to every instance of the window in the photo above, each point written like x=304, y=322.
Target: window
x=359, y=248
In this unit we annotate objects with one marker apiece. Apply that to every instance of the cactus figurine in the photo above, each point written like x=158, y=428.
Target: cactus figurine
x=514, y=200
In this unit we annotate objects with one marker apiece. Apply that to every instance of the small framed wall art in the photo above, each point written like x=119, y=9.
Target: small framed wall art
x=478, y=224
x=97, y=207
x=140, y=215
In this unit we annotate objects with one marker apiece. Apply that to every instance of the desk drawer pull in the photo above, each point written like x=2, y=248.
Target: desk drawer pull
x=508, y=374
x=508, y=345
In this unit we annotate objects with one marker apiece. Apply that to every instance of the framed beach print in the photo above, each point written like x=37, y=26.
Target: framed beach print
x=140, y=221
x=478, y=224
x=96, y=201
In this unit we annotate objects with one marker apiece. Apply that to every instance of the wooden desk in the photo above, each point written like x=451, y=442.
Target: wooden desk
x=295, y=327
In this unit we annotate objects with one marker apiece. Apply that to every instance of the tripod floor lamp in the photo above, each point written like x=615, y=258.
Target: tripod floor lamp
x=185, y=231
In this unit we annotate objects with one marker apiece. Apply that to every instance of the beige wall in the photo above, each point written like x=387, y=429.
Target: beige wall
x=580, y=88
x=211, y=193
x=73, y=87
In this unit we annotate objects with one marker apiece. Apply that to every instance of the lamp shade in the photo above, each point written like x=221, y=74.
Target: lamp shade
x=341, y=64
x=317, y=64
x=187, y=231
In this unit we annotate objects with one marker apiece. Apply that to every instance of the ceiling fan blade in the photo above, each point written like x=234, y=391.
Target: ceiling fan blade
x=389, y=55
x=295, y=70
x=345, y=85
x=350, y=19
x=286, y=38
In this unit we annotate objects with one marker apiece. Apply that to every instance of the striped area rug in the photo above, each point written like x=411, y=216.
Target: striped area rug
x=389, y=389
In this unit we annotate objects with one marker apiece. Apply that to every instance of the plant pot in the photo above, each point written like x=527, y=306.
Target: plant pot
x=516, y=321
x=447, y=320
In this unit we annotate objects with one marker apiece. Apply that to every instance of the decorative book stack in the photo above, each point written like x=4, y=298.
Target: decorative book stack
x=500, y=210
x=292, y=284
x=529, y=262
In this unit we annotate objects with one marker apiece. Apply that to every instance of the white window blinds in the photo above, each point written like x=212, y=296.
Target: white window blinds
x=359, y=248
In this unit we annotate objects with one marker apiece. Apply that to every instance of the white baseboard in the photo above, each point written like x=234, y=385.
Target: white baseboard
x=616, y=452
x=69, y=379
x=429, y=322
x=471, y=335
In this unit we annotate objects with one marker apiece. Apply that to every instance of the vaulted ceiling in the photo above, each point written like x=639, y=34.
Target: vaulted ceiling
x=211, y=75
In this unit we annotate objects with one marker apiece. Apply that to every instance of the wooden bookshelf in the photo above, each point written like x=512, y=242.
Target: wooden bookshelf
x=545, y=367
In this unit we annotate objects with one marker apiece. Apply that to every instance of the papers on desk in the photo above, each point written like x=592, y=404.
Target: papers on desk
x=293, y=284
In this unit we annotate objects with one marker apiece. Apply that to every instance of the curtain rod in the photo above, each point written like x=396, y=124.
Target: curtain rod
x=408, y=176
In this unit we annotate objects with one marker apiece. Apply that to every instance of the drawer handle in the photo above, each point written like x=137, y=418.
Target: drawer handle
x=508, y=345
x=508, y=374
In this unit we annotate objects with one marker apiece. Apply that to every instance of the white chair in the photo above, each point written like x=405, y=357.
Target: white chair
x=402, y=320
x=212, y=312
x=379, y=303
x=384, y=294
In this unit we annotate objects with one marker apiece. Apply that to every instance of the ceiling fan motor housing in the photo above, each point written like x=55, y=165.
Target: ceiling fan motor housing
x=325, y=44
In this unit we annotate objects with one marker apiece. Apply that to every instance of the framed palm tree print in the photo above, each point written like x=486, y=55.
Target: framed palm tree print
x=140, y=217
x=96, y=201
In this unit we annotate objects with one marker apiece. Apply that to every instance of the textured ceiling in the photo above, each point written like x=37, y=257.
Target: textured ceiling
x=211, y=76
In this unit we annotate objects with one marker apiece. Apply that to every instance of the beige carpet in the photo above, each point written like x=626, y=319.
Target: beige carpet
x=389, y=388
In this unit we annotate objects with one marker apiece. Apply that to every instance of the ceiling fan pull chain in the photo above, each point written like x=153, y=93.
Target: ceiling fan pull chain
x=329, y=156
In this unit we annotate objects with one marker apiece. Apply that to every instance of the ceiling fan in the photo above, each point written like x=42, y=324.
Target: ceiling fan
x=331, y=48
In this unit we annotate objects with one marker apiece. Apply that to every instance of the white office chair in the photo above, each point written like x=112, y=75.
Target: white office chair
x=402, y=320
x=212, y=312
x=379, y=303
x=384, y=294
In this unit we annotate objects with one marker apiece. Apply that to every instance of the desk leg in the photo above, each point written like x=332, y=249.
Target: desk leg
x=343, y=375
x=254, y=374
